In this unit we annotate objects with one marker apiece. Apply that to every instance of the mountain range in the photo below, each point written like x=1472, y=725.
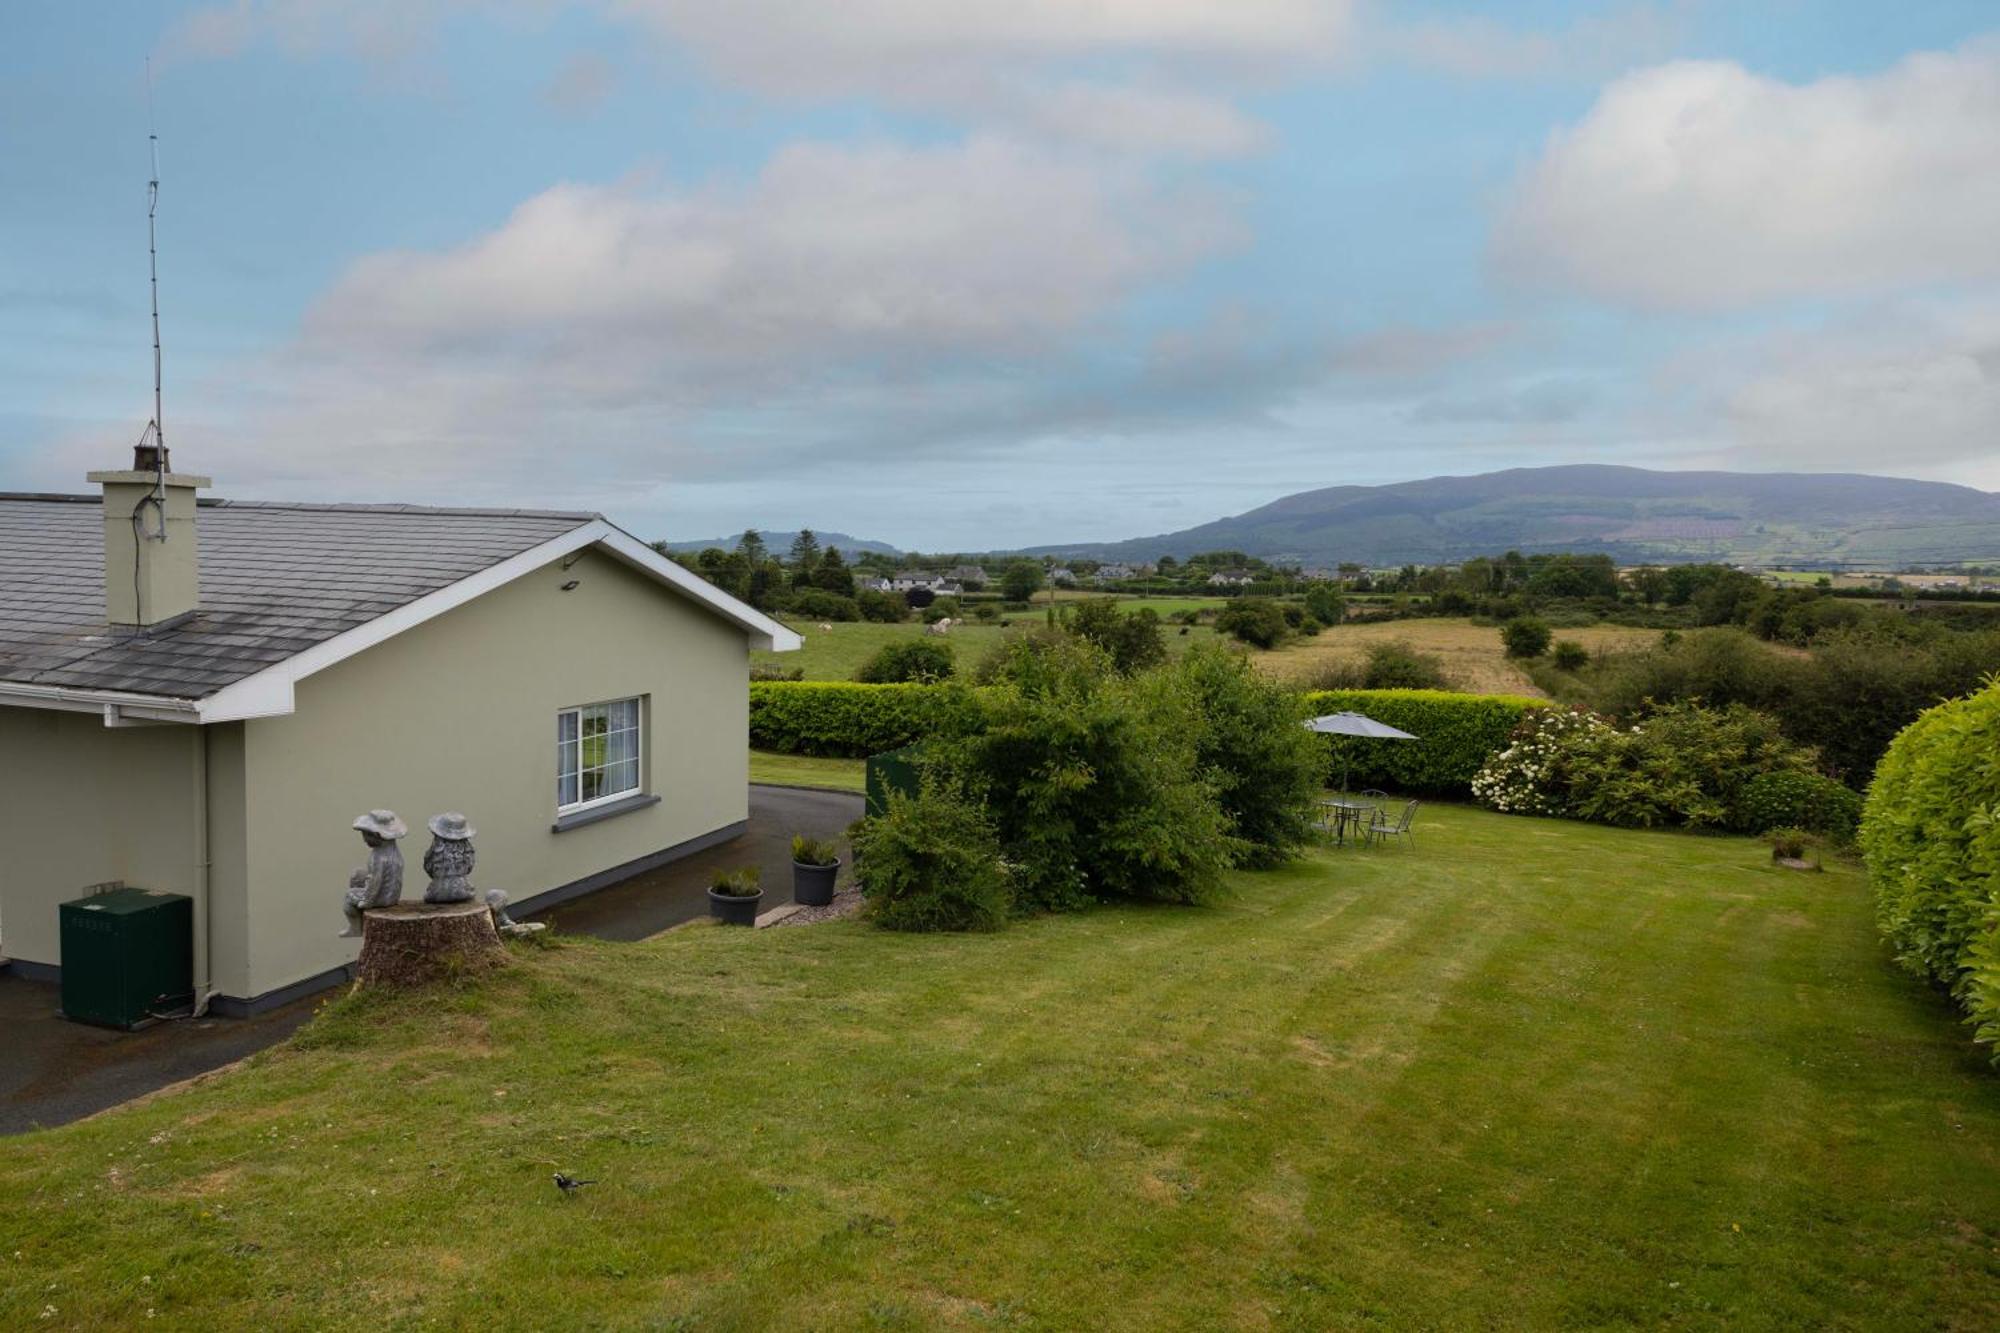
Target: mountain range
x=1633, y=514
x=781, y=542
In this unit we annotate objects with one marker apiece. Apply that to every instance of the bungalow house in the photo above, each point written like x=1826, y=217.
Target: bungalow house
x=903, y=580
x=1062, y=576
x=1231, y=578
x=966, y=574
x=1115, y=573
x=199, y=697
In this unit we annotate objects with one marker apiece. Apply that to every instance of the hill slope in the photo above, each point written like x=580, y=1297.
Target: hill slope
x=780, y=542
x=1630, y=513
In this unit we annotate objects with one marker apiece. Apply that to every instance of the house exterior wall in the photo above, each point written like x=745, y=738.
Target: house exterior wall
x=460, y=714
x=83, y=804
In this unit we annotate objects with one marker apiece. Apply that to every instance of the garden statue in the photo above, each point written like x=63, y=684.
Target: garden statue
x=496, y=902
x=449, y=859
x=380, y=882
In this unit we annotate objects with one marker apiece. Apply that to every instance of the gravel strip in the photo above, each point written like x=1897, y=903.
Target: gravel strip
x=846, y=902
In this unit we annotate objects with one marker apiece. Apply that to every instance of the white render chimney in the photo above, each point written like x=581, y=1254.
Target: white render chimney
x=151, y=570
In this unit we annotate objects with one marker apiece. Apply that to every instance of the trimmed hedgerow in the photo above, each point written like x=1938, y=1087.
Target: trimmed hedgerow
x=844, y=718
x=1931, y=836
x=1457, y=734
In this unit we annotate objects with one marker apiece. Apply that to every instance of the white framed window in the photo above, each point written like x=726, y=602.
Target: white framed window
x=597, y=754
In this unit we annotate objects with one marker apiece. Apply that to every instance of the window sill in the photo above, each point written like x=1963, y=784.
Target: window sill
x=564, y=823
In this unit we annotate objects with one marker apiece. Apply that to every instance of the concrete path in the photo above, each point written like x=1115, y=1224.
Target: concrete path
x=53, y=1071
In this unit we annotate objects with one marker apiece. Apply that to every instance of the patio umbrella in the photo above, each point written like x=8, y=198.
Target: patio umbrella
x=1355, y=724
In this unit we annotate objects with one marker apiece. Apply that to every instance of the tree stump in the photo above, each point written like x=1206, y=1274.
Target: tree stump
x=411, y=943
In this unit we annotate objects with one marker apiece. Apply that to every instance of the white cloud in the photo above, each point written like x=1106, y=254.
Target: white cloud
x=858, y=294
x=1476, y=46
x=1700, y=185
x=1909, y=388
x=831, y=252
x=797, y=47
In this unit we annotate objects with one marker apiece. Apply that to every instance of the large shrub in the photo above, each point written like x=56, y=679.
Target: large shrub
x=843, y=718
x=1788, y=799
x=1931, y=836
x=1093, y=782
x=818, y=604
x=908, y=661
x=1257, y=621
x=1525, y=636
x=1456, y=734
x=1847, y=697
x=1265, y=768
x=1534, y=772
x=931, y=862
x=1132, y=641
x=1684, y=765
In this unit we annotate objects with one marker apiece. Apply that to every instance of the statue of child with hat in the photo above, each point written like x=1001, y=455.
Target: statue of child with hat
x=449, y=860
x=380, y=882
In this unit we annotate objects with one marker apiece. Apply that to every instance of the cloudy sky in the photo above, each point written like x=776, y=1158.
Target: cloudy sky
x=974, y=273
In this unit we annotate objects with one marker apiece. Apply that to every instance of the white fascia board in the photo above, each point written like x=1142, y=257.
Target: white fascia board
x=117, y=707
x=764, y=632
x=271, y=692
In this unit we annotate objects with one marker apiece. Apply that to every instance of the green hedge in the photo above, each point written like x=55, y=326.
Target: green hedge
x=1456, y=734
x=1931, y=836
x=1456, y=731
x=854, y=720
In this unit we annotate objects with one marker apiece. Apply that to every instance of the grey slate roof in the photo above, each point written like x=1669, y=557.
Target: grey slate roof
x=275, y=580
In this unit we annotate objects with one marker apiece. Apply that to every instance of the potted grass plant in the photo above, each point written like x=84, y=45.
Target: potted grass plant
x=815, y=864
x=733, y=896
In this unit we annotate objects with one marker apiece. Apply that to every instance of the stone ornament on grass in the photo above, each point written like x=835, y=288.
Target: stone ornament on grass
x=449, y=860
x=380, y=882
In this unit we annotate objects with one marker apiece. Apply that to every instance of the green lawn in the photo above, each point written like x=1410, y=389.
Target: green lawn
x=836, y=653
x=1532, y=1074
x=798, y=770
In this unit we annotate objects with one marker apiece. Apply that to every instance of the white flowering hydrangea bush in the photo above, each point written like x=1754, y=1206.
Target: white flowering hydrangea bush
x=1533, y=774
x=1681, y=766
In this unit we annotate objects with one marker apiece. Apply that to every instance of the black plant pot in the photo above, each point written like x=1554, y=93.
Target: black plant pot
x=732, y=910
x=812, y=886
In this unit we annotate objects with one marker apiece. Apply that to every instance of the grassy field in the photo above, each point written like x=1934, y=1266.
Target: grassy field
x=1530, y=1074
x=837, y=653
x=798, y=770
x=1471, y=653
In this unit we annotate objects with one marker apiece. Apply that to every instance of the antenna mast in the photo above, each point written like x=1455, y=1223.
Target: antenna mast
x=158, y=462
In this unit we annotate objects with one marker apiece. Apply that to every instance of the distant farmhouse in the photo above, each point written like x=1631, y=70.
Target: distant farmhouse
x=915, y=580
x=1117, y=573
x=966, y=574
x=1062, y=576
x=1231, y=578
x=200, y=698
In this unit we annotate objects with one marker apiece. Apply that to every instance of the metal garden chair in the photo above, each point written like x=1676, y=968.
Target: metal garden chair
x=1381, y=829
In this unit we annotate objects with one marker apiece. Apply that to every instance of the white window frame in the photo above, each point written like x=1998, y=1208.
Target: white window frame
x=638, y=788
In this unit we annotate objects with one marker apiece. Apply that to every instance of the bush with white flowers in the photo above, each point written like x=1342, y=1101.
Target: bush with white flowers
x=1531, y=776
x=1680, y=766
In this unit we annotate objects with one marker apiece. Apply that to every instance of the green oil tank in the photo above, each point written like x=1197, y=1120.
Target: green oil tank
x=127, y=956
x=890, y=771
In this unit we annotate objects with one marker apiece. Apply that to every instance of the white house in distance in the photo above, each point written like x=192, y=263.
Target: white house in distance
x=1232, y=578
x=200, y=698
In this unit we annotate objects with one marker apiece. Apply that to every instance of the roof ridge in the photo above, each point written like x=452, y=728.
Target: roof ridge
x=337, y=507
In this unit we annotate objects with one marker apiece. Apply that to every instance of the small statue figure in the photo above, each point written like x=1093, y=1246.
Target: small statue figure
x=380, y=882
x=449, y=859
x=496, y=902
